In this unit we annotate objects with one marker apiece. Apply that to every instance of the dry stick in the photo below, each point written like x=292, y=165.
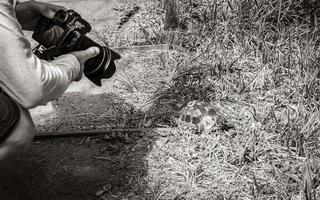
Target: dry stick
x=85, y=133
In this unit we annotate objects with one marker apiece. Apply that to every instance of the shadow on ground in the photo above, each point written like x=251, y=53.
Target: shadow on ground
x=78, y=168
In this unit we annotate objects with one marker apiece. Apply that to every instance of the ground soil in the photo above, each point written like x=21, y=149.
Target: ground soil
x=75, y=169
x=79, y=168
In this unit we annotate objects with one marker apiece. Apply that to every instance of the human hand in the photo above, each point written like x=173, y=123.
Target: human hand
x=28, y=13
x=83, y=56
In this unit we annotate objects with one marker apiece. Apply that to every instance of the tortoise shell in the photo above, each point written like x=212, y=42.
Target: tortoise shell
x=201, y=114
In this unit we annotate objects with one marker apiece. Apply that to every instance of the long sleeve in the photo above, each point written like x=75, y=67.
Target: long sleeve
x=23, y=76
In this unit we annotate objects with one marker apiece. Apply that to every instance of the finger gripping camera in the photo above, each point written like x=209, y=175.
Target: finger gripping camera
x=65, y=33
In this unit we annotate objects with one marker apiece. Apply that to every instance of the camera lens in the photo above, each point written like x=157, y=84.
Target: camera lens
x=66, y=33
x=102, y=66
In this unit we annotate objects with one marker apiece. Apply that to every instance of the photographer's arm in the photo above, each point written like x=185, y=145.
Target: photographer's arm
x=26, y=78
x=23, y=76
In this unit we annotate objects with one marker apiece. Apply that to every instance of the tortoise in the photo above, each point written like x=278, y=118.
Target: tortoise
x=203, y=116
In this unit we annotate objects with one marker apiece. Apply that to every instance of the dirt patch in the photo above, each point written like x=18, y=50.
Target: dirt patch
x=77, y=169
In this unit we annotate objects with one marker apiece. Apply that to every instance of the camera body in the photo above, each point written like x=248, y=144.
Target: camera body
x=65, y=33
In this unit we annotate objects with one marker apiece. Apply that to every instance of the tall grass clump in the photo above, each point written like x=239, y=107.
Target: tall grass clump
x=259, y=62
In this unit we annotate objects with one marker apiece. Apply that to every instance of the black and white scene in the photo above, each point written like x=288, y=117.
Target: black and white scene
x=159, y=100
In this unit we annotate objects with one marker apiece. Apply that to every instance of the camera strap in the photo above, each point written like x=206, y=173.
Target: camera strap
x=46, y=53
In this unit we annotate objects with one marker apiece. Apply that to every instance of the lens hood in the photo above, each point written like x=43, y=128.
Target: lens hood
x=106, y=67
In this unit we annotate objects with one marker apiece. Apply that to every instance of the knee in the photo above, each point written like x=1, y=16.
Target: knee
x=24, y=138
x=20, y=136
x=20, y=139
x=14, y=146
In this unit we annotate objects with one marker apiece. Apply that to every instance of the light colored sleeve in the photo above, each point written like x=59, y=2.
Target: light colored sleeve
x=23, y=76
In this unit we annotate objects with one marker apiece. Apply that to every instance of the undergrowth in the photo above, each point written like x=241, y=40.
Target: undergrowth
x=259, y=62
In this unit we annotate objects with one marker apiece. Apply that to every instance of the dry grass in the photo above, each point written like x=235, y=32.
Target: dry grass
x=256, y=60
